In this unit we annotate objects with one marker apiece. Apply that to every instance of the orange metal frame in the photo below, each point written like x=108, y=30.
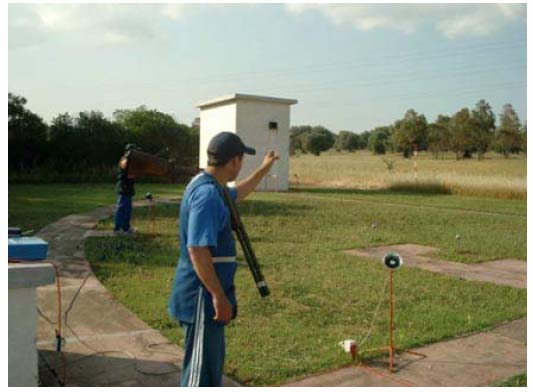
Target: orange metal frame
x=390, y=348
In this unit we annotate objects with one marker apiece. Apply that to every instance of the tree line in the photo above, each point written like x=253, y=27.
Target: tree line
x=88, y=146
x=467, y=133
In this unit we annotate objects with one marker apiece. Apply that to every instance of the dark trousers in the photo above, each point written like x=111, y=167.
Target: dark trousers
x=205, y=349
x=123, y=213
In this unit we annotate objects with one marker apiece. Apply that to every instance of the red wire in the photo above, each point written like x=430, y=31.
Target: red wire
x=384, y=375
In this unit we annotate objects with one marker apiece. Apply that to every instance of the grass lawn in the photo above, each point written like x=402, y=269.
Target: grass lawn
x=31, y=207
x=320, y=295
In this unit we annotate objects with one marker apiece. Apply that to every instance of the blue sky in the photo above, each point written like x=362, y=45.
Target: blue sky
x=351, y=66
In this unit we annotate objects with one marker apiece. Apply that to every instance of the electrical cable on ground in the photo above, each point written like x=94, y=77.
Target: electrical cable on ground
x=383, y=297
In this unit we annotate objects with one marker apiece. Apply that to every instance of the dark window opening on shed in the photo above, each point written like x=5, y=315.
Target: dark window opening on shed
x=272, y=125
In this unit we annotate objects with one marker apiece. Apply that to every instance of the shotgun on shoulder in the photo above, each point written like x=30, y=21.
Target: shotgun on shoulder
x=238, y=228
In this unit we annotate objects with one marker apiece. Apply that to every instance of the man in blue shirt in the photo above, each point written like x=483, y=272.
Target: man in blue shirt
x=203, y=295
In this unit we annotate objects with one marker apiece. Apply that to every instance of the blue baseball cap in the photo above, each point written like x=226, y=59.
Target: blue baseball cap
x=226, y=145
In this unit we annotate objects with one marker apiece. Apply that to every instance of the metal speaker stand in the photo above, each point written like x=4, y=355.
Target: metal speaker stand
x=393, y=261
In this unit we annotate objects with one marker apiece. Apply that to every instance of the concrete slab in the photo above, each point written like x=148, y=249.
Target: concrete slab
x=508, y=272
x=479, y=359
x=516, y=330
x=143, y=359
x=351, y=376
x=94, y=312
x=99, y=233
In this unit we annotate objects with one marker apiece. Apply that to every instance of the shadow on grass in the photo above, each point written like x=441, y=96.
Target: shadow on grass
x=361, y=192
x=147, y=249
x=246, y=208
x=140, y=250
x=270, y=208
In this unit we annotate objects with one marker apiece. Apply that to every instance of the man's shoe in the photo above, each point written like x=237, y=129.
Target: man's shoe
x=130, y=231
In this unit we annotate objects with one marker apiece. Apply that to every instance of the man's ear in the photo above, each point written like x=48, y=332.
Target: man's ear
x=235, y=161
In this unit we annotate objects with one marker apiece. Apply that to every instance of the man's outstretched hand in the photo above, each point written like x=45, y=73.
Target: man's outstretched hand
x=270, y=157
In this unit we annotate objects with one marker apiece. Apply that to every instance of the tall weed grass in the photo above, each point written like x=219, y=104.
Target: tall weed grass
x=493, y=177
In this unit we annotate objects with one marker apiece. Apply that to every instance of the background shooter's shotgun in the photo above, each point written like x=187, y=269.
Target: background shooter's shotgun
x=238, y=227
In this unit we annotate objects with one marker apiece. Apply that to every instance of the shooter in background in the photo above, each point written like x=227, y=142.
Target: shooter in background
x=126, y=190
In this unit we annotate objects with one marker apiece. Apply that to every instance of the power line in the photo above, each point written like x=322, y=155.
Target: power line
x=385, y=60
x=420, y=54
x=460, y=71
x=425, y=94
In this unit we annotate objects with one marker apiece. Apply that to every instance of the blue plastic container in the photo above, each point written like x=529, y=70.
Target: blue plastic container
x=27, y=248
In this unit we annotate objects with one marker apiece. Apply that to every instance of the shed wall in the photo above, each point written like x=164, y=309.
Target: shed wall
x=221, y=118
x=253, y=118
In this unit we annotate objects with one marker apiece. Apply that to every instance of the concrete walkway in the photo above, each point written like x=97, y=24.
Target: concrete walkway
x=508, y=272
x=106, y=344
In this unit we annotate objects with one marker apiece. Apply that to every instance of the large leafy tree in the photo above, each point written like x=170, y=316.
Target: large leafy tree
x=105, y=139
x=313, y=139
x=27, y=135
x=483, y=121
x=508, y=138
x=297, y=138
x=410, y=133
x=156, y=132
x=461, y=129
x=379, y=140
x=87, y=141
x=363, y=140
x=439, y=135
x=347, y=141
x=318, y=140
x=64, y=142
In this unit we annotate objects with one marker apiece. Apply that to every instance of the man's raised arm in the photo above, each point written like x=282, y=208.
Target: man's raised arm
x=248, y=185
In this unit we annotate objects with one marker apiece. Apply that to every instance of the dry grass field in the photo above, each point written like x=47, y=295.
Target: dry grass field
x=493, y=176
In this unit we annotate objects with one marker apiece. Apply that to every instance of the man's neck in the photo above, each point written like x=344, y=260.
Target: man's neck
x=218, y=174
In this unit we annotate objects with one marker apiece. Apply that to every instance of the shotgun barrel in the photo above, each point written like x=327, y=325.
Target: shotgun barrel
x=246, y=245
x=141, y=164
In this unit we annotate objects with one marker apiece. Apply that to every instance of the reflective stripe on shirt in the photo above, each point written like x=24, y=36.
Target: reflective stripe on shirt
x=224, y=259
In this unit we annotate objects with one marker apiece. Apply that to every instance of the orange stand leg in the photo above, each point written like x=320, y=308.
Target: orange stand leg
x=390, y=348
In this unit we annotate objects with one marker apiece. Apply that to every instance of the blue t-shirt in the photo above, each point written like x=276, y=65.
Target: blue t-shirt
x=204, y=222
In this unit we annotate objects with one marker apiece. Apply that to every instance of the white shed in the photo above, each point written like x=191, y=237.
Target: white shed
x=261, y=122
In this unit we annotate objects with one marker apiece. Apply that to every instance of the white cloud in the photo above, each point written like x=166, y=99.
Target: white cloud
x=102, y=24
x=110, y=38
x=173, y=11
x=452, y=20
